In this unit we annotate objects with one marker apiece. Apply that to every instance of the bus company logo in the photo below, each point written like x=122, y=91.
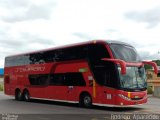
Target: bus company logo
x=30, y=68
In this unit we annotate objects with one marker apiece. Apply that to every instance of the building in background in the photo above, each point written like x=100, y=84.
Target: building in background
x=153, y=81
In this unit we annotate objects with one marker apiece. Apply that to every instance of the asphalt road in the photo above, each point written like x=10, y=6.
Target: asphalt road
x=49, y=110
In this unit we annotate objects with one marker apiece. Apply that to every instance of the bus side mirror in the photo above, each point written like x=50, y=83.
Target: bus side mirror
x=153, y=64
x=118, y=61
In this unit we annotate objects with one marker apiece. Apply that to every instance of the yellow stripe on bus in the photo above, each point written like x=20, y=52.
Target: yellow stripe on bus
x=94, y=88
x=129, y=94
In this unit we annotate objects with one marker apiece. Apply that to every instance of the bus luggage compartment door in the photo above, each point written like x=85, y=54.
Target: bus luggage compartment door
x=71, y=93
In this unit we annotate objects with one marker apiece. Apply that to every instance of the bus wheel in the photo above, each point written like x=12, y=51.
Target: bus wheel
x=26, y=96
x=86, y=100
x=18, y=95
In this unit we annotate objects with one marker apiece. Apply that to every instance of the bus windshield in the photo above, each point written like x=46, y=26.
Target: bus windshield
x=124, y=52
x=134, y=78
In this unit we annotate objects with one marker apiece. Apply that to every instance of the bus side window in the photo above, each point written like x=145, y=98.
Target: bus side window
x=75, y=79
x=39, y=79
x=97, y=52
x=73, y=53
x=49, y=56
x=104, y=72
x=67, y=79
x=57, y=79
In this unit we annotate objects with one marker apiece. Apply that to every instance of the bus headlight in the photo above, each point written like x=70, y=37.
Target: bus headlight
x=124, y=97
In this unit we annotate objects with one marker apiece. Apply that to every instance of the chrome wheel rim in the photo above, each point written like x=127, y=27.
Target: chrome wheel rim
x=87, y=100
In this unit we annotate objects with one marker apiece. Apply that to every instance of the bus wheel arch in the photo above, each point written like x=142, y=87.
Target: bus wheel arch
x=18, y=94
x=26, y=95
x=85, y=99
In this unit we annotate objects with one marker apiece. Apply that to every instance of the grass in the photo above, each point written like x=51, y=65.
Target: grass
x=149, y=90
x=1, y=87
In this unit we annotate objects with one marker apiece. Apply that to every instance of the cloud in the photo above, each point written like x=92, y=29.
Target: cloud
x=23, y=25
x=83, y=36
x=152, y=16
x=28, y=25
x=19, y=10
x=148, y=56
x=14, y=4
x=32, y=38
x=143, y=54
x=24, y=41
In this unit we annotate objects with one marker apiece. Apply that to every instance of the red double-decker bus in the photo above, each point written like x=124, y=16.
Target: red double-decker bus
x=107, y=73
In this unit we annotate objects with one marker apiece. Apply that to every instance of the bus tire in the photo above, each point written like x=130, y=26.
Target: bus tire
x=85, y=100
x=26, y=96
x=18, y=95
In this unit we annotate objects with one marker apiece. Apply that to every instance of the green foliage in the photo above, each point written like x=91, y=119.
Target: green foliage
x=147, y=67
x=1, y=87
x=157, y=61
x=149, y=90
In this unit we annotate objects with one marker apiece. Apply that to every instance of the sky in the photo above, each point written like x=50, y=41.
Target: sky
x=29, y=25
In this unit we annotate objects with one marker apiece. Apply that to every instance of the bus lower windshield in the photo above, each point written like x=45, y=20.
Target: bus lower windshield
x=134, y=79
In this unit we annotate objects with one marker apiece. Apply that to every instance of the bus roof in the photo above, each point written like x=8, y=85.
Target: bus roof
x=117, y=42
x=73, y=45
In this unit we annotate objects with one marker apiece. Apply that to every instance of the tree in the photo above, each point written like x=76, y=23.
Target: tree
x=157, y=61
x=147, y=67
